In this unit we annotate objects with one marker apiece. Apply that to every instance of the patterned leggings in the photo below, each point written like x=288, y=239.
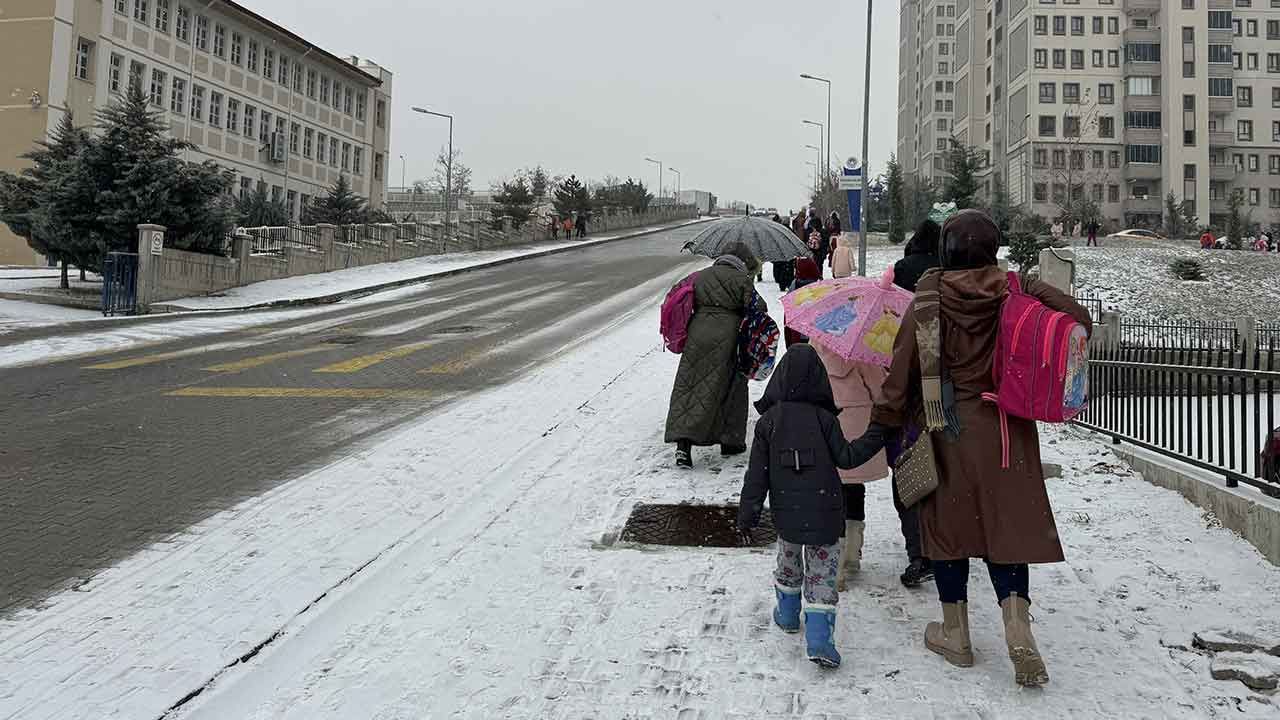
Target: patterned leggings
x=812, y=567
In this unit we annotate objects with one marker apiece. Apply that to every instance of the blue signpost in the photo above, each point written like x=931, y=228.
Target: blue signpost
x=851, y=183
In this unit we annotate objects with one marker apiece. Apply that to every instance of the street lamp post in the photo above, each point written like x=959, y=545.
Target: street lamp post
x=403, y=165
x=866, y=141
x=659, y=164
x=448, y=166
x=818, y=150
x=807, y=76
x=821, y=139
x=678, y=183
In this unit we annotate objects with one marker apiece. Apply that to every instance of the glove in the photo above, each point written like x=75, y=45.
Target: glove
x=871, y=442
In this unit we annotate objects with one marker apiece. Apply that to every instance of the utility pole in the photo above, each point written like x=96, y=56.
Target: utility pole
x=866, y=142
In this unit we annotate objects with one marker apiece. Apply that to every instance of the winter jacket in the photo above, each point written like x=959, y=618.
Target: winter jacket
x=855, y=386
x=794, y=459
x=908, y=271
x=842, y=263
x=709, y=399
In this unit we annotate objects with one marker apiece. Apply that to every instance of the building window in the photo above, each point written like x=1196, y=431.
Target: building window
x=1097, y=25
x=246, y=187
x=233, y=115
x=277, y=194
x=337, y=95
x=178, y=96
x=182, y=26
x=251, y=60
x=1220, y=87
x=1077, y=59
x=1097, y=58
x=362, y=101
x=1273, y=28
x=1099, y=159
x=1142, y=52
x=1040, y=192
x=264, y=128
x=197, y=103
x=1113, y=159
x=1070, y=126
x=202, y=33
x=357, y=161
x=115, y=68
x=1113, y=58
x=1071, y=92
x=1219, y=19
x=250, y=115
x=348, y=101
x=136, y=69
x=1147, y=154
x=122, y=7
x=333, y=151
x=311, y=83
x=268, y=63
x=215, y=109
x=84, y=58
x=1059, y=24
x=1273, y=197
x=1253, y=163
x=1106, y=126
x=1189, y=120
x=1220, y=54
x=237, y=48
x=1273, y=62
x=1144, y=86
x=1048, y=92
x=1251, y=27
x=1077, y=159
x=295, y=137
x=321, y=144
x=1041, y=58
x=159, y=81
x=1113, y=193
x=1106, y=94
x=1275, y=97
x=1244, y=130
x=1113, y=26
x=162, y=16
x=220, y=41
x=377, y=166
x=1254, y=194
x=380, y=113
x=1244, y=96
x=1041, y=24
x=1041, y=158
x=282, y=76
x=324, y=90
x=1060, y=59
x=297, y=77
x=1048, y=126
x=1077, y=25
x=140, y=11
x=1097, y=192
x=1251, y=61
x=1275, y=132
x=1059, y=193
x=308, y=142
x=1142, y=119
x=291, y=204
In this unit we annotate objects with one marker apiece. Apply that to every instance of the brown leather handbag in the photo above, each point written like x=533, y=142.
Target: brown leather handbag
x=916, y=471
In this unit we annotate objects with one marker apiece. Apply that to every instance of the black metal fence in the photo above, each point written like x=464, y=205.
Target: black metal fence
x=1205, y=335
x=1211, y=408
x=1269, y=335
x=1092, y=303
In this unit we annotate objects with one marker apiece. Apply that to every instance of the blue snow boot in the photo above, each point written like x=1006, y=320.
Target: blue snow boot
x=819, y=635
x=787, y=613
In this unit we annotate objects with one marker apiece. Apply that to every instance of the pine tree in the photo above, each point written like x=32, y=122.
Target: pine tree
x=897, y=203
x=538, y=182
x=257, y=209
x=963, y=164
x=340, y=206
x=515, y=200
x=1235, y=223
x=998, y=207
x=571, y=196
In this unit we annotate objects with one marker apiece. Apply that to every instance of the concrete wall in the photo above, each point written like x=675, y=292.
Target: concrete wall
x=177, y=273
x=1245, y=510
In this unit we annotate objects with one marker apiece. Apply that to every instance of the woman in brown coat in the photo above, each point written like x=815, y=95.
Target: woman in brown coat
x=980, y=510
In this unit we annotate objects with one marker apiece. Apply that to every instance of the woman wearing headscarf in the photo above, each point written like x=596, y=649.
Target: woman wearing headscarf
x=980, y=509
x=709, y=399
x=784, y=271
x=807, y=273
x=920, y=256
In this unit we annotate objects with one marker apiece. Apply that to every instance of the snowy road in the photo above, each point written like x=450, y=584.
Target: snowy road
x=454, y=570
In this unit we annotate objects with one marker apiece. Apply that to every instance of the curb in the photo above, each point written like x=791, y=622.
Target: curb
x=161, y=308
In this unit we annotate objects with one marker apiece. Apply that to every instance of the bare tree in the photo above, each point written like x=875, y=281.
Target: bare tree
x=1074, y=166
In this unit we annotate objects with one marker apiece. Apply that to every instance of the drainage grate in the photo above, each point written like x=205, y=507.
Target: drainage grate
x=693, y=526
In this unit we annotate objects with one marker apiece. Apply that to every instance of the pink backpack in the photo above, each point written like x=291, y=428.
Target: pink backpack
x=1041, y=367
x=677, y=310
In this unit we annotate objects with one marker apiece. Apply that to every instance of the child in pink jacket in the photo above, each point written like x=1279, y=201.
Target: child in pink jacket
x=854, y=385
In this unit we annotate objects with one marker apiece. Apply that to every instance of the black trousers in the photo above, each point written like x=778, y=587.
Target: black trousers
x=855, y=501
x=909, y=518
x=952, y=578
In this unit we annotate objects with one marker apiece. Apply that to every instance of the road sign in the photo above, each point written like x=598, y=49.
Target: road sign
x=157, y=242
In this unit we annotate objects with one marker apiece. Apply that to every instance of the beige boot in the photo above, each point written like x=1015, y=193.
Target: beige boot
x=1028, y=666
x=851, y=557
x=950, y=638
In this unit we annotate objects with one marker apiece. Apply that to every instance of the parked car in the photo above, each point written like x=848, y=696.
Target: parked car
x=1136, y=234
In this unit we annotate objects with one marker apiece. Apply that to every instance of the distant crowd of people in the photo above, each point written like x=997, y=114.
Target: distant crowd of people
x=1262, y=242
x=569, y=225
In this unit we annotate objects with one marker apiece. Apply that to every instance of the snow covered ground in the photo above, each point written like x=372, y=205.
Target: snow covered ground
x=455, y=569
x=18, y=314
x=1136, y=280
x=321, y=284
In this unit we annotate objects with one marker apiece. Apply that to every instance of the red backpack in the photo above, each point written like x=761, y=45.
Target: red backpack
x=1041, y=367
x=677, y=310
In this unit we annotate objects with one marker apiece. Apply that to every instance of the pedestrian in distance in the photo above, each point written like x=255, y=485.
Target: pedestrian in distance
x=1075, y=231
x=709, y=397
x=984, y=507
x=795, y=456
x=555, y=227
x=1092, y=228
x=806, y=274
x=832, y=231
x=567, y=226
x=1056, y=230
x=582, y=225
x=784, y=271
x=842, y=263
x=1207, y=240
x=816, y=238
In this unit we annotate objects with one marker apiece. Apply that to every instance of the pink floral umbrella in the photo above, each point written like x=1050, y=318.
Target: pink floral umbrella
x=856, y=318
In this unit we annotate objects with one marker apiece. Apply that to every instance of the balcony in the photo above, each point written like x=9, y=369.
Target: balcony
x=1142, y=171
x=1222, y=105
x=1141, y=35
x=1221, y=36
x=1219, y=206
x=1149, y=204
x=1141, y=7
x=1221, y=138
x=1143, y=136
x=1222, y=172
x=1141, y=69
x=1142, y=102
x=1219, y=4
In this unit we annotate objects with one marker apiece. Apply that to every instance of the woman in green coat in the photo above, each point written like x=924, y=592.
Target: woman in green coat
x=709, y=399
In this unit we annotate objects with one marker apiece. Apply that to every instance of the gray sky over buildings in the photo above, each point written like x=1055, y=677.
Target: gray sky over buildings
x=594, y=86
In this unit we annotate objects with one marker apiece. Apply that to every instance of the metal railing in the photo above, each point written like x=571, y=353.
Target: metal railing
x=1092, y=303
x=1268, y=335
x=1190, y=335
x=1212, y=409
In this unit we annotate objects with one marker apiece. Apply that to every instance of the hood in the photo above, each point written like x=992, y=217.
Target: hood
x=731, y=261
x=799, y=377
x=970, y=240
x=924, y=241
x=807, y=269
x=972, y=299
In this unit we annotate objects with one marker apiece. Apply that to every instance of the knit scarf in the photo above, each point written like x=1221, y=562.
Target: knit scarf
x=936, y=390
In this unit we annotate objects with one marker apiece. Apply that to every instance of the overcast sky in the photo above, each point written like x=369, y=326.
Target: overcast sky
x=594, y=86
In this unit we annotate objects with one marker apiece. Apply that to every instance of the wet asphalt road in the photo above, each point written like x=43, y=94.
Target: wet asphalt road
x=105, y=454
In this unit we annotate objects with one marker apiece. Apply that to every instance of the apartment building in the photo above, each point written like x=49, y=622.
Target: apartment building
x=926, y=85
x=248, y=93
x=1123, y=101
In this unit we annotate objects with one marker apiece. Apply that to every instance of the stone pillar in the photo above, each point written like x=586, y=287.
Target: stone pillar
x=241, y=247
x=150, y=254
x=327, y=233
x=1107, y=330
x=1247, y=329
x=1058, y=268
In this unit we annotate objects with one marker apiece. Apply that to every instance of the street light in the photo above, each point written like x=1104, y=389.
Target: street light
x=866, y=141
x=402, y=173
x=678, y=183
x=815, y=174
x=448, y=166
x=807, y=76
x=821, y=135
x=659, y=164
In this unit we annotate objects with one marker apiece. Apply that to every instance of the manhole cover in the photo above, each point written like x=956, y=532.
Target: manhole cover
x=343, y=340
x=457, y=330
x=693, y=526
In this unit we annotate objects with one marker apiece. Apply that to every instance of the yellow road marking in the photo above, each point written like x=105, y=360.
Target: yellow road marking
x=366, y=361
x=457, y=365
x=136, y=361
x=253, y=362
x=302, y=392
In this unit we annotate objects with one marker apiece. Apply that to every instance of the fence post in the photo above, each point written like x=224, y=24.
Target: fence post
x=150, y=253
x=326, y=232
x=1247, y=330
x=1109, y=324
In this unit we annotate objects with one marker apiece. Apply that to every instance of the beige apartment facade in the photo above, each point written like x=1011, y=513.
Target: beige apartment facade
x=247, y=93
x=1123, y=101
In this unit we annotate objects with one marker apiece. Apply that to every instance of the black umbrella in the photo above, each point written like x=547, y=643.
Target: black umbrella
x=768, y=241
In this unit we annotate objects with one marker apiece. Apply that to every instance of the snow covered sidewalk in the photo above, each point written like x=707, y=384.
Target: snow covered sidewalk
x=456, y=570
